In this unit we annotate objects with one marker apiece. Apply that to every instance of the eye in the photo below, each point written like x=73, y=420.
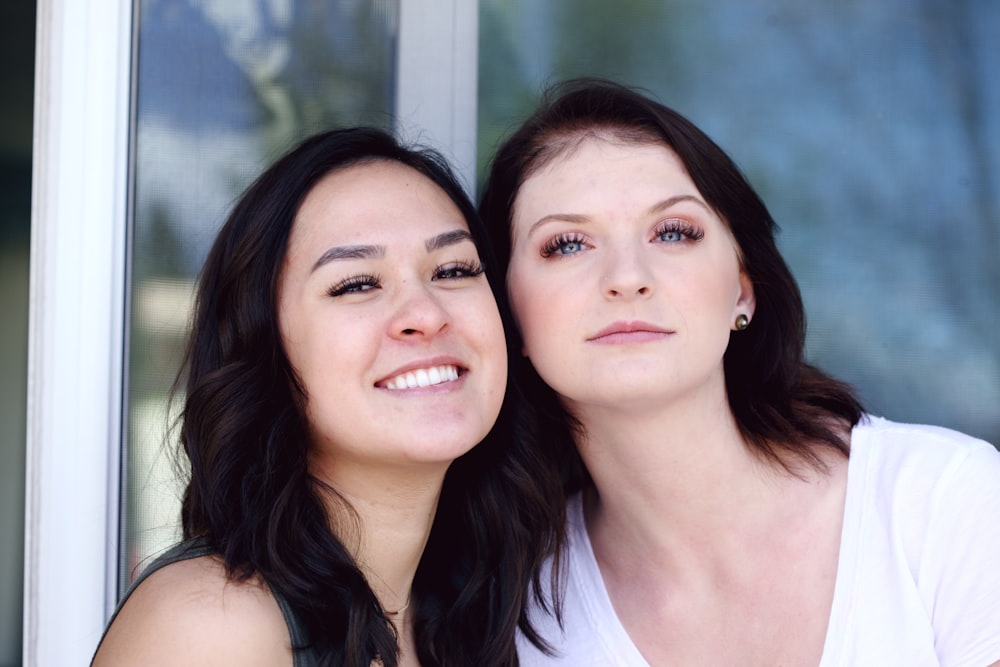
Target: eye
x=458, y=269
x=677, y=231
x=564, y=244
x=356, y=285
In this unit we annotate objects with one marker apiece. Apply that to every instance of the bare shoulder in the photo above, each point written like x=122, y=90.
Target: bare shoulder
x=190, y=613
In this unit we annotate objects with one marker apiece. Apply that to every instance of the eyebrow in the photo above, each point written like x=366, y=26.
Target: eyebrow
x=349, y=252
x=677, y=199
x=655, y=208
x=447, y=239
x=376, y=251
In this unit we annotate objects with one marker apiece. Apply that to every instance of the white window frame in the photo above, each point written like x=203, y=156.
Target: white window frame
x=76, y=324
x=78, y=302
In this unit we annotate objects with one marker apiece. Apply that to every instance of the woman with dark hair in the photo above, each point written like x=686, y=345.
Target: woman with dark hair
x=728, y=503
x=351, y=501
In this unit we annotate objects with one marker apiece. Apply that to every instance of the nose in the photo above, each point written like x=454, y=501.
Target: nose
x=418, y=314
x=626, y=276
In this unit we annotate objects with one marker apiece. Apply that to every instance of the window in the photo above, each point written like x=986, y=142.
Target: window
x=222, y=89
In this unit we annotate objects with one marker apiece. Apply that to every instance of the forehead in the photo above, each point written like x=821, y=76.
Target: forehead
x=617, y=140
x=560, y=143
x=373, y=198
x=596, y=167
x=366, y=187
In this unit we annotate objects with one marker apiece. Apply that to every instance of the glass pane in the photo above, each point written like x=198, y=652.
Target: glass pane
x=872, y=131
x=223, y=88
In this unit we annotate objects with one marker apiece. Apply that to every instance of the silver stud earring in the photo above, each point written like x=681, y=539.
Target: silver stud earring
x=742, y=322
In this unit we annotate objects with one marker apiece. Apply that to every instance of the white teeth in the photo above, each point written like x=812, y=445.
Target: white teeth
x=423, y=377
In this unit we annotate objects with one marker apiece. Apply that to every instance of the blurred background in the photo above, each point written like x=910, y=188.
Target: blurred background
x=871, y=128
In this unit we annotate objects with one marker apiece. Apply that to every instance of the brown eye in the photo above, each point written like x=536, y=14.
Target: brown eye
x=355, y=285
x=459, y=269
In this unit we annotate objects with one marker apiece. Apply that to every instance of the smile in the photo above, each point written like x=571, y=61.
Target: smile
x=423, y=377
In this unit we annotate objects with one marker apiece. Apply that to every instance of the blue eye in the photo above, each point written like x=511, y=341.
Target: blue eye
x=677, y=231
x=355, y=285
x=564, y=244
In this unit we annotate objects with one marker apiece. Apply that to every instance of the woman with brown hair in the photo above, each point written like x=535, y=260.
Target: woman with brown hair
x=729, y=504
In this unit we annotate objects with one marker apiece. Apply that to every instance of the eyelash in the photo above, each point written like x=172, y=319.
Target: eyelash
x=468, y=269
x=364, y=282
x=685, y=229
x=552, y=246
x=356, y=284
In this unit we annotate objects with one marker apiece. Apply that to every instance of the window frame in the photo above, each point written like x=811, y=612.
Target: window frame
x=76, y=324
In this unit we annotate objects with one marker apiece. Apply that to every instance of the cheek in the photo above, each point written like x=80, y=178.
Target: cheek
x=522, y=302
x=711, y=286
x=541, y=308
x=481, y=326
x=477, y=316
x=329, y=355
x=492, y=334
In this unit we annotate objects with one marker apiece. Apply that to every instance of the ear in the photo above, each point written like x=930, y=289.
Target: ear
x=746, y=303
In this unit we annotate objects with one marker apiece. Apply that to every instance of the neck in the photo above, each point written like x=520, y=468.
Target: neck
x=680, y=468
x=677, y=490
x=386, y=527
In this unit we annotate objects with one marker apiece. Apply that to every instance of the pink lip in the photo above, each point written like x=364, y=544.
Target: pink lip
x=629, y=332
x=443, y=360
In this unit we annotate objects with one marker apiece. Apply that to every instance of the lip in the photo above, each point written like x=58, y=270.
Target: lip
x=629, y=332
x=423, y=364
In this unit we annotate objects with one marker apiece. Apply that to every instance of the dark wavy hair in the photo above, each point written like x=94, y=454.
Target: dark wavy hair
x=251, y=495
x=785, y=408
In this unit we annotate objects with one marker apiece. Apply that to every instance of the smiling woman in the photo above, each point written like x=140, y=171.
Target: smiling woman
x=353, y=499
x=395, y=258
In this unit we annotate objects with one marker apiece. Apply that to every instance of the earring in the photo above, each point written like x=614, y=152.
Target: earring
x=742, y=322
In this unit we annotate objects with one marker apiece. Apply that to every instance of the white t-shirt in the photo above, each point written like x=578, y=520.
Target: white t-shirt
x=918, y=577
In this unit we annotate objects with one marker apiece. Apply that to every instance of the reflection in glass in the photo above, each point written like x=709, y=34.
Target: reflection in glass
x=871, y=129
x=223, y=88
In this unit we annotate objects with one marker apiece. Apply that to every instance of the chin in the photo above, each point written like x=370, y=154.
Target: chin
x=443, y=447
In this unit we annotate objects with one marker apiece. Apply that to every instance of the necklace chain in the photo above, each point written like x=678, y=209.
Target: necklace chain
x=401, y=609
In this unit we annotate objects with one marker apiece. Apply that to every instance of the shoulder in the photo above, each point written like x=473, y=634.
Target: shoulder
x=924, y=473
x=920, y=450
x=190, y=612
x=915, y=489
x=919, y=546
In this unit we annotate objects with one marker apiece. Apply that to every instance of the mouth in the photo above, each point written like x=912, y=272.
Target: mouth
x=629, y=332
x=421, y=377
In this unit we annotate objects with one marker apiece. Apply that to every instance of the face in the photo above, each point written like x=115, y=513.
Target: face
x=624, y=282
x=389, y=322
